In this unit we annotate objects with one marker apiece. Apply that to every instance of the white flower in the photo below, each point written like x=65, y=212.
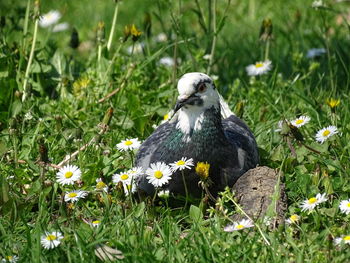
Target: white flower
x=342, y=240
x=315, y=52
x=167, y=61
x=323, y=134
x=293, y=219
x=135, y=172
x=163, y=193
x=206, y=56
x=129, y=188
x=302, y=120
x=95, y=223
x=182, y=164
x=312, y=202
x=214, y=77
x=123, y=177
x=74, y=196
x=158, y=174
x=68, y=174
x=161, y=37
x=317, y=4
x=259, y=68
x=138, y=48
x=60, y=27
x=345, y=206
x=51, y=240
x=128, y=144
x=244, y=223
x=100, y=185
x=50, y=18
x=28, y=116
x=10, y=259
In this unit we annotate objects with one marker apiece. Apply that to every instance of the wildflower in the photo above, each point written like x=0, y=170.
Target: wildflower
x=100, y=185
x=345, y=206
x=266, y=30
x=293, y=219
x=123, y=177
x=135, y=33
x=10, y=259
x=135, y=172
x=182, y=164
x=323, y=134
x=342, y=240
x=161, y=37
x=332, y=103
x=302, y=120
x=167, y=61
x=207, y=56
x=214, y=77
x=244, y=223
x=50, y=18
x=51, y=240
x=259, y=68
x=68, y=174
x=60, y=27
x=158, y=174
x=163, y=194
x=74, y=196
x=129, y=188
x=129, y=144
x=28, y=116
x=137, y=48
x=95, y=223
x=202, y=170
x=317, y=3
x=315, y=52
x=312, y=202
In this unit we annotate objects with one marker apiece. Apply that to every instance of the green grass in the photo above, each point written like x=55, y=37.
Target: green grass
x=66, y=115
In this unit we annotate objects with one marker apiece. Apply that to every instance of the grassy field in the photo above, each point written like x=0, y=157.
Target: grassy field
x=82, y=89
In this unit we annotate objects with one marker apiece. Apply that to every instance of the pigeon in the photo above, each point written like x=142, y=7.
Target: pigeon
x=202, y=128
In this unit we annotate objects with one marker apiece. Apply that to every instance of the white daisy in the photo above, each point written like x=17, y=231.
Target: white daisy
x=129, y=188
x=135, y=172
x=298, y=122
x=182, y=164
x=68, y=174
x=345, y=206
x=60, y=27
x=10, y=259
x=163, y=193
x=167, y=61
x=315, y=52
x=129, y=144
x=50, y=18
x=51, y=240
x=123, y=177
x=293, y=219
x=100, y=185
x=207, y=56
x=342, y=240
x=138, y=48
x=95, y=223
x=244, y=223
x=323, y=134
x=161, y=37
x=312, y=202
x=158, y=174
x=74, y=196
x=259, y=68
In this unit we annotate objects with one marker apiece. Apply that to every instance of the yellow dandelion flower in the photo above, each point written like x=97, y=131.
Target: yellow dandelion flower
x=202, y=170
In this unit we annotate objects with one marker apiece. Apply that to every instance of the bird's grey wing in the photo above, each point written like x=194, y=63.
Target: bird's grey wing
x=238, y=134
x=148, y=148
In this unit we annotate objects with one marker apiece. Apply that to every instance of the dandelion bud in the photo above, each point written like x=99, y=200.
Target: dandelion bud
x=36, y=9
x=74, y=39
x=101, y=32
x=147, y=24
x=266, y=30
x=127, y=33
x=135, y=33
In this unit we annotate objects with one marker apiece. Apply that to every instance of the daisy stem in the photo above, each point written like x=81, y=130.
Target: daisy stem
x=31, y=55
x=114, y=22
x=245, y=214
x=267, y=49
x=186, y=190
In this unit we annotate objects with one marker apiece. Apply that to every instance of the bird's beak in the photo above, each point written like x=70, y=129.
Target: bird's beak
x=190, y=100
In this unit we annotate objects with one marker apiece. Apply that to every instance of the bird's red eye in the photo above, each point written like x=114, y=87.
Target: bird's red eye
x=202, y=87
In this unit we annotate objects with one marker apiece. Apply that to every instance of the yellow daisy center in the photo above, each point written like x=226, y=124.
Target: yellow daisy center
x=100, y=185
x=312, y=200
x=348, y=204
x=51, y=237
x=68, y=174
x=158, y=174
x=180, y=163
x=128, y=143
x=72, y=195
x=239, y=226
x=300, y=121
x=326, y=133
x=96, y=222
x=124, y=176
x=165, y=117
x=259, y=65
x=294, y=218
x=346, y=238
x=9, y=258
